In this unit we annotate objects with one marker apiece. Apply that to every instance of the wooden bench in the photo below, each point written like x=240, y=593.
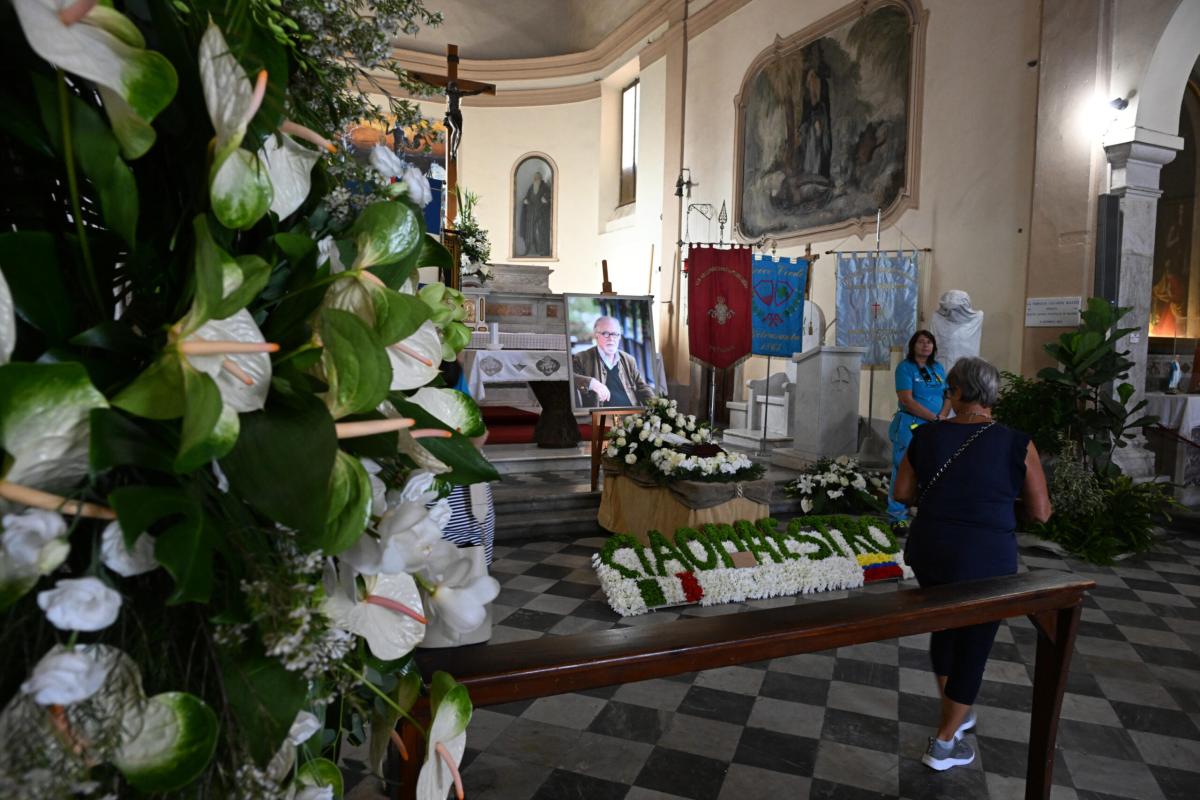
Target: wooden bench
x=556, y=664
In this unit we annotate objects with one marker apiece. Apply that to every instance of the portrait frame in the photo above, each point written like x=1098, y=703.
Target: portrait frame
x=635, y=317
x=859, y=221
x=521, y=180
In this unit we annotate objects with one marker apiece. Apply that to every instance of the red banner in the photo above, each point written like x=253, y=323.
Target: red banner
x=719, y=330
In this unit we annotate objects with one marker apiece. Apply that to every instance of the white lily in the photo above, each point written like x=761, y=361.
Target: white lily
x=97, y=43
x=458, y=600
x=410, y=534
x=303, y=727
x=378, y=487
x=385, y=615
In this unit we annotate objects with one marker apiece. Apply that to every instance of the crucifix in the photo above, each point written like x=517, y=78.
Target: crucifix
x=455, y=89
x=811, y=258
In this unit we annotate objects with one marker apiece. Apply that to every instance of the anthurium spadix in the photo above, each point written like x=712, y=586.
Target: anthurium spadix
x=95, y=42
x=451, y=706
x=239, y=186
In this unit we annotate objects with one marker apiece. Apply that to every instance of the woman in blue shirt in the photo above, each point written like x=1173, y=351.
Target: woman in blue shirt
x=921, y=390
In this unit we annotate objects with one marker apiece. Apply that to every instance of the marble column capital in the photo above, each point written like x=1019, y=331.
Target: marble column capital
x=1136, y=166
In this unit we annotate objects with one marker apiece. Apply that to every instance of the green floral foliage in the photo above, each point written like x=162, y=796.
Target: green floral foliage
x=1123, y=522
x=838, y=486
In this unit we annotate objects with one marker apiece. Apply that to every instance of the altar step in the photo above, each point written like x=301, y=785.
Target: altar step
x=746, y=439
x=509, y=459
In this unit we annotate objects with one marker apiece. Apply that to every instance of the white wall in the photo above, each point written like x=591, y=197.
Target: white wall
x=976, y=154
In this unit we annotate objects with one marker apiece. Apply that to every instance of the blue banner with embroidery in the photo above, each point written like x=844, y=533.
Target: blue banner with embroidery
x=777, y=298
x=876, y=303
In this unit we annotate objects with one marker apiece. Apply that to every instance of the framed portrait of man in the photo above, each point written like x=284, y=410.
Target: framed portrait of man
x=611, y=339
x=534, y=204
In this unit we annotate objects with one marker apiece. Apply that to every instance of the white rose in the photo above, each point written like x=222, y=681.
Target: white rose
x=612, y=452
x=696, y=438
x=34, y=542
x=859, y=483
x=121, y=560
x=658, y=442
x=417, y=186
x=645, y=434
x=631, y=459
x=80, y=604
x=303, y=728
x=834, y=494
x=64, y=677
x=845, y=482
x=843, y=460
x=666, y=428
x=387, y=163
x=620, y=441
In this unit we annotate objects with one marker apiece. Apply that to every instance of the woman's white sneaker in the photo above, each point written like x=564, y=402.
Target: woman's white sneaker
x=942, y=756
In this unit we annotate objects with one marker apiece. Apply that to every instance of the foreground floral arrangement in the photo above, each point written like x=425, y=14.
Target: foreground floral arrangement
x=664, y=444
x=225, y=445
x=838, y=486
x=706, y=566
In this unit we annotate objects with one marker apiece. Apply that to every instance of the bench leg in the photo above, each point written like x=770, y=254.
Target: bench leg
x=1056, y=643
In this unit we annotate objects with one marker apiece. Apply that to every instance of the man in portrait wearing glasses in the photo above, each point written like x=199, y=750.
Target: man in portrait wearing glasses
x=605, y=376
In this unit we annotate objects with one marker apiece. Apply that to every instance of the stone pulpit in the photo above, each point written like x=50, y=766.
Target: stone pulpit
x=824, y=413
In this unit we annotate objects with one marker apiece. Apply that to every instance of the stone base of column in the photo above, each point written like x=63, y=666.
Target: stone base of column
x=1135, y=460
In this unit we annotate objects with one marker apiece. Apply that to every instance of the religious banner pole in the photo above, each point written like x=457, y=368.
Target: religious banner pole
x=874, y=317
x=762, y=445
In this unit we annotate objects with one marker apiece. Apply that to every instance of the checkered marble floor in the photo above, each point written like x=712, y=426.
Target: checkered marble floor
x=850, y=723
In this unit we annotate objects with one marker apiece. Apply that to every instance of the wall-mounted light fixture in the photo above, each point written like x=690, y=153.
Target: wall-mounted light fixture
x=683, y=186
x=1119, y=103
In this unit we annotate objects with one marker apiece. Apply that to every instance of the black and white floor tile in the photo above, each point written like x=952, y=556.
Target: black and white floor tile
x=850, y=723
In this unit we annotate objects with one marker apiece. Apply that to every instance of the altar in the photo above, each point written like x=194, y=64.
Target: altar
x=1173, y=456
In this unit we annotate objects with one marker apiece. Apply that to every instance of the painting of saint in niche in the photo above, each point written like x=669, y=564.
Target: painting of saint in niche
x=824, y=127
x=533, y=207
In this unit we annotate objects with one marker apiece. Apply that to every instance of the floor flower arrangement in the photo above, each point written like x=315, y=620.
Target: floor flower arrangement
x=838, y=486
x=746, y=561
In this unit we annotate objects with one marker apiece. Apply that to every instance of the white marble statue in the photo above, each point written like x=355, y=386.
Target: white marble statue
x=957, y=328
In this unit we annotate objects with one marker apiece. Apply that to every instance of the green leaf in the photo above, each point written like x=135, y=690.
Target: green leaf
x=224, y=285
x=30, y=264
x=321, y=772
x=117, y=440
x=140, y=507
x=385, y=232
x=264, y=698
x=397, y=315
x=99, y=155
x=453, y=409
x=356, y=367
x=467, y=464
x=282, y=460
x=349, y=508
x=240, y=190
x=296, y=246
x=210, y=427
x=158, y=392
x=175, y=740
x=434, y=254
x=185, y=550
x=384, y=717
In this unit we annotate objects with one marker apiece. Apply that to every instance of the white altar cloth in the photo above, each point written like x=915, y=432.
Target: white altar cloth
x=512, y=366
x=1179, y=412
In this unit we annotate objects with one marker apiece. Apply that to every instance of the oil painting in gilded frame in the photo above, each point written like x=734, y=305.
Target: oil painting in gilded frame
x=828, y=124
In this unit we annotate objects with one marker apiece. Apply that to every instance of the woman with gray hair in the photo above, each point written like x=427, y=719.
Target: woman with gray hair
x=964, y=474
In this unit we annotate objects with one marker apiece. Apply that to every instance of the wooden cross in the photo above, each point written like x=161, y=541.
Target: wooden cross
x=811, y=258
x=455, y=89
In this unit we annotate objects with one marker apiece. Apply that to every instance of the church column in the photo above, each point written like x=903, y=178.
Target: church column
x=672, y=322
x=1136, y=165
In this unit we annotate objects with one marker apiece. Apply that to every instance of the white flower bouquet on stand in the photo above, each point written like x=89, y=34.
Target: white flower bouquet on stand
x=838, y=486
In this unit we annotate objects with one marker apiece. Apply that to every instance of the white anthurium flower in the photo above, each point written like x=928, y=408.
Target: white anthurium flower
x=452, y=408
x=97, y=43
x=34, y=544
x=239, y=186
x=447, y=743
x=378, y=487
x=243, y=379
x=8, y=322
x=415, y=360
x=303, y=728
x=80, y=604
x=67, y=676
x=44, y=423
x=459, y=600
x=124, y=561
x=353, y=293
x=289, y=165
x=386, y=615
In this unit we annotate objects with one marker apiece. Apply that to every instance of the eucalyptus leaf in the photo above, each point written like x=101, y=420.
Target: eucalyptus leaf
x=44, y=412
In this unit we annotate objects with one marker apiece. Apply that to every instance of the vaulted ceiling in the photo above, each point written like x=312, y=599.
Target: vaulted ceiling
x=501, y=29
